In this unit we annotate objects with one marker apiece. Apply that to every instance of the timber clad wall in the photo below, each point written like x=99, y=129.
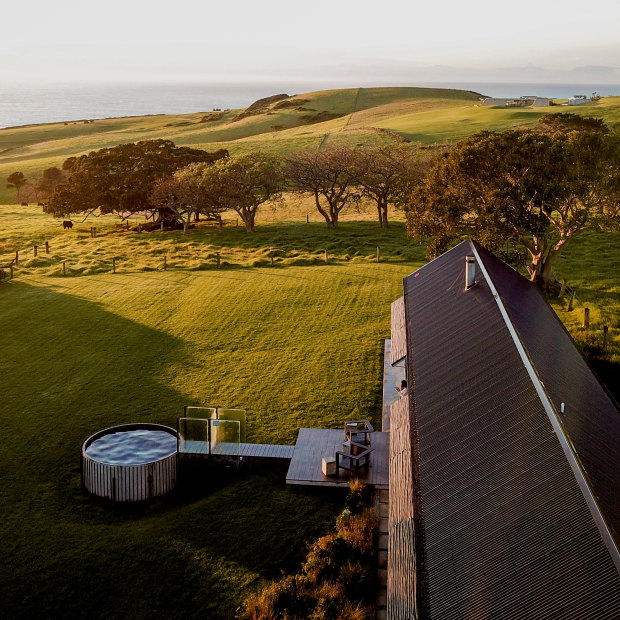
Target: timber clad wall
x=401, y=549
x=399, y=335
x=129, y=483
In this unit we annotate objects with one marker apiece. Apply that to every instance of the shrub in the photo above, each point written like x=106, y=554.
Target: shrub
x=338, y=579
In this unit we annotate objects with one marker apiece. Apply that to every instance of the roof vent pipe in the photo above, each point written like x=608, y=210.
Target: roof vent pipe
x=470, y=271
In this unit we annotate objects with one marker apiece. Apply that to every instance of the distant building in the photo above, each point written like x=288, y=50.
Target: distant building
x=504, y=456
x=577, y=100
x=519, y=102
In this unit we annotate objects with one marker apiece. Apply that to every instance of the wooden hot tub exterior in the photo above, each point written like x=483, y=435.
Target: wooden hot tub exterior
x=129, y=483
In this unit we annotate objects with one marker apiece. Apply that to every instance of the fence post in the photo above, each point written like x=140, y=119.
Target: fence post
x=562, y=289
x=326, y=258
x=217, y=258
x=17, y=257
x=378, y=254
x=605, y=337
x=139, y=228
x=307, y=218
x=35, y=249
x=586, y=317
x=95, y=232
x=47, y=247
x=165, y=263
x=162, y=226
x=571, y=302
x=271, y=254
x=64, y=268
x=113, y=265
x=127, y=222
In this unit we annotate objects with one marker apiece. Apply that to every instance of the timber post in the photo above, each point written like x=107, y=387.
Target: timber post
x=35, y=248
x=326, y=257
x=586, y=317
x=571, y=302
x=47, y=247
x=307, y=218
x=378, y=254
x=562, y=289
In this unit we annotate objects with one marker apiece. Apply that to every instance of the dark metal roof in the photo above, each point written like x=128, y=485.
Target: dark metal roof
x=505, y=527
x=591, y=418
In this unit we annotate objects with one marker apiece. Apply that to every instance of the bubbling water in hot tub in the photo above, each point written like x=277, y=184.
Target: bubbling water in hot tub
x=132, y=447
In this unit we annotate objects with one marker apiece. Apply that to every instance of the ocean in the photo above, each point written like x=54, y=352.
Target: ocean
x=25, y=104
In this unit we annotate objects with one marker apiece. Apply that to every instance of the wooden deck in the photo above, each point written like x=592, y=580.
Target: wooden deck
x=258, y=450
x=315, y=443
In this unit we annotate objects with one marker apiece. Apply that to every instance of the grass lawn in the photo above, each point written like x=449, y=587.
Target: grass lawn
x=297, y=345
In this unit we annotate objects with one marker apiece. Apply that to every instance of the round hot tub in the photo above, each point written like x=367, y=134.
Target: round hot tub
x=131, y=462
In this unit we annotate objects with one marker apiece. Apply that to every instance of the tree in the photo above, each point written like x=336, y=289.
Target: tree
x=242, y=183
x=119, y=180
x=16, y=180
x=328, y=175
x=182, y=196
x=536, y=189
x=50, y=178
x=385, y=173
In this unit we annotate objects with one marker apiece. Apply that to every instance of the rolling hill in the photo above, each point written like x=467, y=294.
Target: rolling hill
x=280, y=124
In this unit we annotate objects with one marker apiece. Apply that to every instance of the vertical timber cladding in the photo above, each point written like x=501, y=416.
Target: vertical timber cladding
x=401, y=591
x=398, y=331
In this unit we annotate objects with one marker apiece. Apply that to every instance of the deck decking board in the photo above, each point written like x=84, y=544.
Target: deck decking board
x=315, y=443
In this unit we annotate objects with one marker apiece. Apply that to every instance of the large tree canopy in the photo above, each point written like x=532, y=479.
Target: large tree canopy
x=327, y=174
x=536, y=188
x=240, y=183
x=386, y=173
x=120, y=179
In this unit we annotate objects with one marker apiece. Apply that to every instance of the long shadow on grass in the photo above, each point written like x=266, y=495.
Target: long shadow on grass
x=70, y=368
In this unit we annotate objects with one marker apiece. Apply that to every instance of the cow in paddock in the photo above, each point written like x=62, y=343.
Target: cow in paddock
x=24, y=204
x=40, y=204
x=67, y=224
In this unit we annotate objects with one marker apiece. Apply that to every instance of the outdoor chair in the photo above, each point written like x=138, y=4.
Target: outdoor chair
x=354, y=462
x=358, y=431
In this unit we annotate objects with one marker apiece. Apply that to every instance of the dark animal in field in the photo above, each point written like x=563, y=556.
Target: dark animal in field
x=24, y=204
x=40, y=204
x=67, y=224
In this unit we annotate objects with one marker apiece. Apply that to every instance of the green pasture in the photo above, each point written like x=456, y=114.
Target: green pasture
x=360, y=116
x=297, y=344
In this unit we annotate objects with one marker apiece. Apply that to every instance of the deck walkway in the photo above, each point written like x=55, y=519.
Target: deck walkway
x=315, y=443
x=258, y=450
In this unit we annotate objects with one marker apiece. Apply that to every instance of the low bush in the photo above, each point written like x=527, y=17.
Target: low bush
x=338, y=579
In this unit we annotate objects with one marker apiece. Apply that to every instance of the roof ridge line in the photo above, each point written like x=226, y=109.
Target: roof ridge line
x=558, y=427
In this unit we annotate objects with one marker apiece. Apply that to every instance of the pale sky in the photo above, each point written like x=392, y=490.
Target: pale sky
x=182, y=40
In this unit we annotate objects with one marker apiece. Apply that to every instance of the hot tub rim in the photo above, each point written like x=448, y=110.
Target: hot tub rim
x=132, y=426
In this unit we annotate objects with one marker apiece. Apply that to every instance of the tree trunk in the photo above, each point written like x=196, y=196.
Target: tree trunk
x=185, y=227
x=383, y=212
x=248, y=219
x=322, y=211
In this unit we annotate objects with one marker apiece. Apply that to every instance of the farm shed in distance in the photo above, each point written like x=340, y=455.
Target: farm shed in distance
x=504, y=456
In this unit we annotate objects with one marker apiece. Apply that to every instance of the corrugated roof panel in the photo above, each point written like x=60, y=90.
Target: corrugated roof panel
x=592, y=420
x=506, y=529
